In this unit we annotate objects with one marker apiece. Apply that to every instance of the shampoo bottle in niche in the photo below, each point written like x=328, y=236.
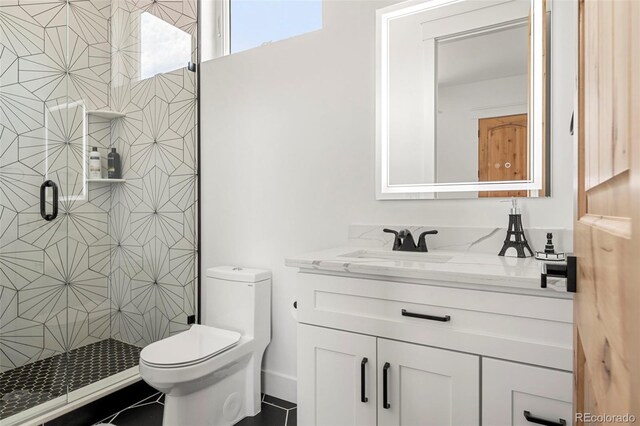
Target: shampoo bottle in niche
x=95, y=164
x=113, y=165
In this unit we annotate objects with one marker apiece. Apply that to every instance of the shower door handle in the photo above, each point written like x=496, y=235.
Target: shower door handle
x=43, y=202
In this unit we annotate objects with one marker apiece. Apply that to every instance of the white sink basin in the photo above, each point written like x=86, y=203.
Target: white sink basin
x=398, y=255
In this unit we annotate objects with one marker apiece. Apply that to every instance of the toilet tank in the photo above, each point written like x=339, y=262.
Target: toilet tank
x=238, y=299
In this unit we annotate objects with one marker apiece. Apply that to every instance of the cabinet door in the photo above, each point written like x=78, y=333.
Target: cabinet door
x=336, y=377
x=427, y=386
x=510, y=389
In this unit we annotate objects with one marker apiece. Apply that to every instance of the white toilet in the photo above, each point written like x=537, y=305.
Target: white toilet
x=210, y=373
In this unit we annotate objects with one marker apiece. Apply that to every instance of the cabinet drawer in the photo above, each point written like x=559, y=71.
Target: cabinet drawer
x=531, y=329
x=510, y=390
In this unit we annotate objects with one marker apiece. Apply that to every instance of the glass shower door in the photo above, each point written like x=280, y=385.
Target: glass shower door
x=82, y=292
x=154, y=213
x=35, y=136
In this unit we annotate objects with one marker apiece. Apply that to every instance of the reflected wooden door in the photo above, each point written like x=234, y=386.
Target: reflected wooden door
x=502, y=152
x=607, y=360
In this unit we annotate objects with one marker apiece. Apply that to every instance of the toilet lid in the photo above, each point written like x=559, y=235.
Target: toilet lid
x=195, y=345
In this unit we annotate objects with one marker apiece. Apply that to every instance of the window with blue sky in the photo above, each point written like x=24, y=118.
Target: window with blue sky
x=256, y=22
x=163, y=47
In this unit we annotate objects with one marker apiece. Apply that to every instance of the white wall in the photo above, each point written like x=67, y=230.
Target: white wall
x=288, y=157
x=411, y=143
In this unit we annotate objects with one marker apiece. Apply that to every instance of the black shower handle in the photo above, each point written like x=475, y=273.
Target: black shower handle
x=43, y=202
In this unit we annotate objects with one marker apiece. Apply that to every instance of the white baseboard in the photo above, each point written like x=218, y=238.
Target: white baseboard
x=280, y=385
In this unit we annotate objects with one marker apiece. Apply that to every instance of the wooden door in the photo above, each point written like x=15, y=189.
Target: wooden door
x=427, y=386
x=503, y=152
x=515, y=394
x=330, y=374
x=607, y=361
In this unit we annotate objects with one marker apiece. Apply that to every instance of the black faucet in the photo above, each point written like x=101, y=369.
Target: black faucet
x=404, y=241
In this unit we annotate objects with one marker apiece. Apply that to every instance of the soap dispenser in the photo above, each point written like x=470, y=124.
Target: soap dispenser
x=515, y=233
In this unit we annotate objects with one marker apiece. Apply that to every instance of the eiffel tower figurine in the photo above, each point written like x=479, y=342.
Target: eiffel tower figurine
x=515, y=234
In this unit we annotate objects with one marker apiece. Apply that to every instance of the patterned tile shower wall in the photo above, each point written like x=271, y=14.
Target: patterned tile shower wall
x=54, y=65
x=120, y=259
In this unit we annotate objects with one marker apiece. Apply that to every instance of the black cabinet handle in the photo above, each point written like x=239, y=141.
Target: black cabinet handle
x=406, y=313
x=385, y=386
x=539, y=421
x=43, y=202
x=363, y=397
x=571, y=124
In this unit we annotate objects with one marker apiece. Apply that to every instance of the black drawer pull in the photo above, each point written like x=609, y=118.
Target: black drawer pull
x=539, y=421
x=385, y=386
x=363, y=397
x=445, y=318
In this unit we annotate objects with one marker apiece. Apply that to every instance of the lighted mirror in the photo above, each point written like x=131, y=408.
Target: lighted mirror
x=461, y=90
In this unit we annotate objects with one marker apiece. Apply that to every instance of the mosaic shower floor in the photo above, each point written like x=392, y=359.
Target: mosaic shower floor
x=32, y=384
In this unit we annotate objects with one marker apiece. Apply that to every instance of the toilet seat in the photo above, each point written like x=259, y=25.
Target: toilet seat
x=190, y=347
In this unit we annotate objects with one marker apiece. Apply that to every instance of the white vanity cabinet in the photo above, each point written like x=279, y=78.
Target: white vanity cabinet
x=454, y=355
x=338, y=372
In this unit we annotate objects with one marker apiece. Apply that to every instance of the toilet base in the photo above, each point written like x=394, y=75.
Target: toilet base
x=233, y=395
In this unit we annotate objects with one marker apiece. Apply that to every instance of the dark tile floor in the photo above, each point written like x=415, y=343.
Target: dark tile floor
x=105, y=406
x=275, y=412
x=29, y=385
x=148, y=412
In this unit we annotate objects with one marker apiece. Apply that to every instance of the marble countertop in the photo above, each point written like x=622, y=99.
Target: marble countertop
x=440, y=267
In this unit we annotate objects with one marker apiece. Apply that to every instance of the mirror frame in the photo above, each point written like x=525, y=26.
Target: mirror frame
x=535, y=184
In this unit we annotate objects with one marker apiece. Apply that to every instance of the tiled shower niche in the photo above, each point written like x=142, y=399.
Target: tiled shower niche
x=119, y=262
